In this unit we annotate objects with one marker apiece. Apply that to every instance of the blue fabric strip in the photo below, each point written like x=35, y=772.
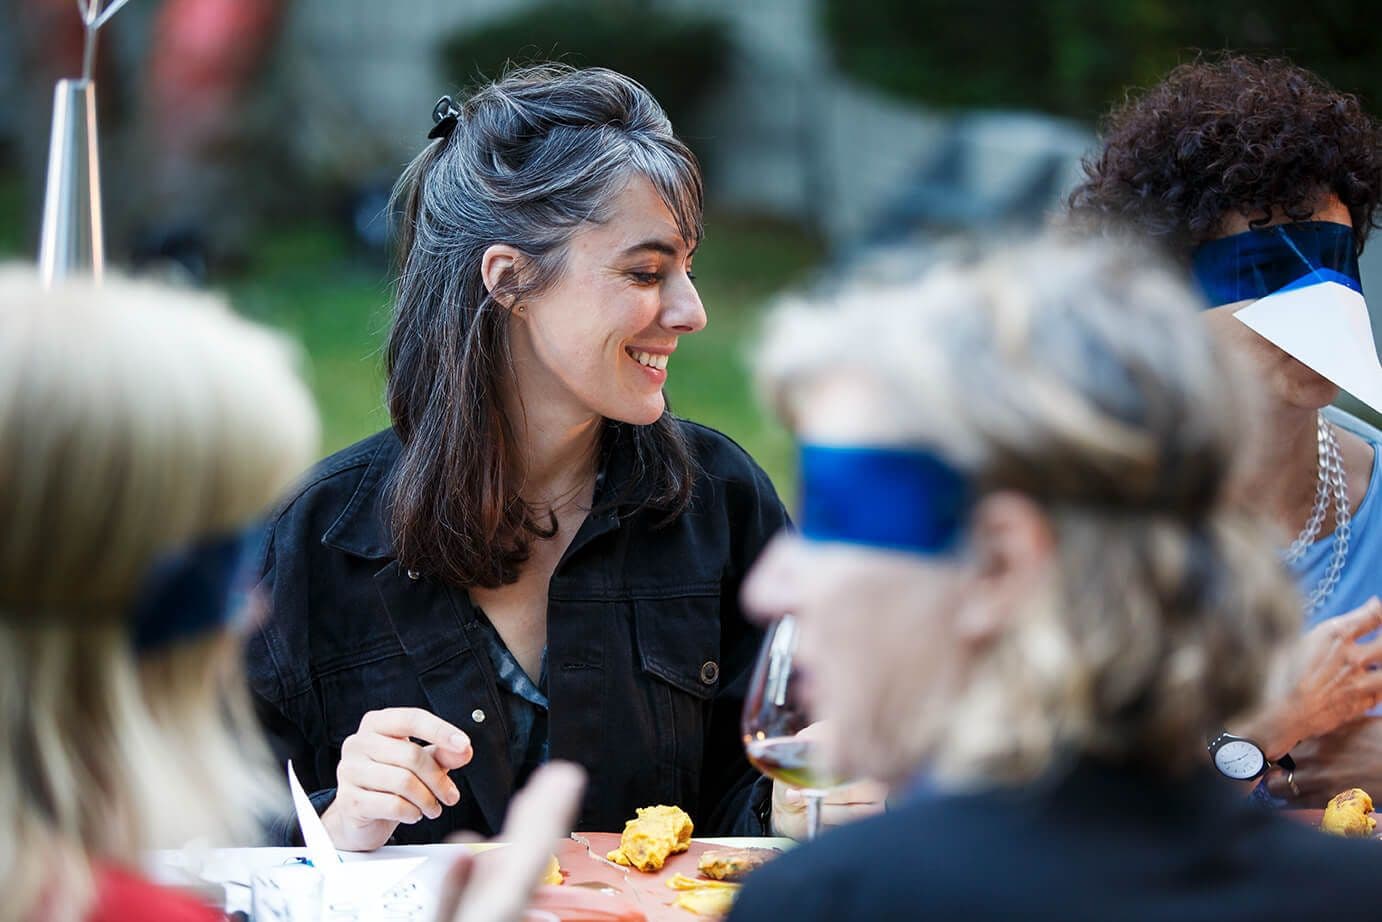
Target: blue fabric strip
x=897, y=499
x=1325, y=275
x=191, y=592
x=1258, y=262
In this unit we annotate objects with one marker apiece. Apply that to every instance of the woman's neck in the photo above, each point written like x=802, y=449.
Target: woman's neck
x=560, y=448
x=1284, y=479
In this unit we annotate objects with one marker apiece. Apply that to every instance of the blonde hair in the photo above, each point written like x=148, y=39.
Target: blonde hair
x=134, y=419
x=1079, y=375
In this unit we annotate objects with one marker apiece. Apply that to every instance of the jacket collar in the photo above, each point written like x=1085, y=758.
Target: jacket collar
x=362, y=527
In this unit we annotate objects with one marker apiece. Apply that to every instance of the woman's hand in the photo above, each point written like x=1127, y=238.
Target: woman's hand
x=841, y=805
x=1349, y=757
x=1330, y=680
x=384, y=778
x=540, y=815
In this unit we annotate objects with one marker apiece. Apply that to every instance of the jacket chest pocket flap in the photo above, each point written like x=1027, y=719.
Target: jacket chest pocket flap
x=679, y=640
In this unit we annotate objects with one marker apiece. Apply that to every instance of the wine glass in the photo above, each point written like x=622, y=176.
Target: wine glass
x=774, y=713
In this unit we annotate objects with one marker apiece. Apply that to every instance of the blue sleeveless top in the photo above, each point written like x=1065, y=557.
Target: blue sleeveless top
x=1361, y=577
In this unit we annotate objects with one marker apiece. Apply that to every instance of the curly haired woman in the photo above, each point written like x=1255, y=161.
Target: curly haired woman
x=1256, y=173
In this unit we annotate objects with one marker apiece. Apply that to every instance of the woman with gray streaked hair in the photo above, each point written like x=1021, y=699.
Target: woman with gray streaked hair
x=537, y=560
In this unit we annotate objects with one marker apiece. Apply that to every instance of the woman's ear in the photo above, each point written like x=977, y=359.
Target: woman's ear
x=497, y=267
x=1013, y=547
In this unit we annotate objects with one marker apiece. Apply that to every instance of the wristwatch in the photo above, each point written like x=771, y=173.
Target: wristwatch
x=1241, y=759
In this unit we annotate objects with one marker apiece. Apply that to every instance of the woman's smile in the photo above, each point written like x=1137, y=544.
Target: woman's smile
x=653, y=364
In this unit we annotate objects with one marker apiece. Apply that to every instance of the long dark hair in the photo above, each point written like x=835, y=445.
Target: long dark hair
x=532, y=157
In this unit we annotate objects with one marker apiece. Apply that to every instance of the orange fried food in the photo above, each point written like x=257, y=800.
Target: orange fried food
x=552, y=875
x=653, y=835
x=733, y=863
x=707, y=901
x=1349, y=814
x=682, y=882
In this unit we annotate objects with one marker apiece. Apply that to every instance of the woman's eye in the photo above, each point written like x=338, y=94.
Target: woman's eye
x=691, y=275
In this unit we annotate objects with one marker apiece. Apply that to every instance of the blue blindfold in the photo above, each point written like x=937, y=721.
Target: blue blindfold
x=1259, y=262
x=191, y=592
x=891, y=498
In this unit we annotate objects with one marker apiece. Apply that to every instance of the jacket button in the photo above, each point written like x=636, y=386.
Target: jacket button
x=413, y=574
x=710, y=672
x=478, y=716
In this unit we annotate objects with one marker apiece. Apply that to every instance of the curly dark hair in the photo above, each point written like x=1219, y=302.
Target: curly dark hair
x=1231, y=134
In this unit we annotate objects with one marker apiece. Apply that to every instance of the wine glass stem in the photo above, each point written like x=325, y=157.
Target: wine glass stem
x=814, y=799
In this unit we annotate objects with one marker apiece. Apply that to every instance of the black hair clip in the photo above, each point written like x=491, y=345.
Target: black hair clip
x=444, y=115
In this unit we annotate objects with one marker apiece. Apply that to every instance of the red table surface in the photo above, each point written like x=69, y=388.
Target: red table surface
x=647, y=891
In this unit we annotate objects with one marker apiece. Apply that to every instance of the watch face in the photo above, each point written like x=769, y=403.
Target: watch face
x=1240, y=759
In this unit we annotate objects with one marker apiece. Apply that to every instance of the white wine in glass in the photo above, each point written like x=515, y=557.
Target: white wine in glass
x=775, y=712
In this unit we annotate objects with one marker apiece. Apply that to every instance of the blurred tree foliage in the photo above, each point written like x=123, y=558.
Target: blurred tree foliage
x=678, y=57
x=1078, y=57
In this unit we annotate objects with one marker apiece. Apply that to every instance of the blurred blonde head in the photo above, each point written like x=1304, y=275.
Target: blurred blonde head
x=1075, y=385
x=134, y=420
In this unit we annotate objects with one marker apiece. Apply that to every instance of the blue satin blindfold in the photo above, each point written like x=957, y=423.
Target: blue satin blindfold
x=193, y=591
x=891, y=498
x=1256, y=263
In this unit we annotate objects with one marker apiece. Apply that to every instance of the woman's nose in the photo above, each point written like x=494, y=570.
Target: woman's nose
x=682, y=310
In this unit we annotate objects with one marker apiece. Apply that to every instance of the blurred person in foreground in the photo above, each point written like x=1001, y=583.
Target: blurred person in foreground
x=1024, y=594
x=1259, y=176
x=536, y=559
x=143, y=431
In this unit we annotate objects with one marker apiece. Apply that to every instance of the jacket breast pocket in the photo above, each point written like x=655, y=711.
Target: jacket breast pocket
x=373, y=680
x=678, y=641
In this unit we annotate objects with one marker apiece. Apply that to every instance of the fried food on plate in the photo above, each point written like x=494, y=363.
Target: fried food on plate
x=682, y=882
x=708, y=901
x=552, y=875
x=703, y=897
x=1349, y=814
x=734, y=863
x=649, y=838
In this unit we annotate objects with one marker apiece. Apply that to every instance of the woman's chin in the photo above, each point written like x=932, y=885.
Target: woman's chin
x=642, y=413
x=1300, y=386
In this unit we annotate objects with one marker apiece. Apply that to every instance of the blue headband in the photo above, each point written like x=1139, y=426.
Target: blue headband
x=1259, y=262
x=190, y=592
x=892, y=498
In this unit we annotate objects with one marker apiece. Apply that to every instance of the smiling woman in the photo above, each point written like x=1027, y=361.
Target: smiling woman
x=537, y=559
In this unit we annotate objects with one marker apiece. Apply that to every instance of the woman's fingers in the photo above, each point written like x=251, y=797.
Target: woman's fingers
x=860, y=793
x=390, y=779
x=839, y=814
x=385, y=778
x=372, y=806
x=1363, y=620
x=415, y=723
x=419, y=760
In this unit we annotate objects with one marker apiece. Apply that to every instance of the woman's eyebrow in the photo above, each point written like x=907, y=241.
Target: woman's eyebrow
x=657, y=246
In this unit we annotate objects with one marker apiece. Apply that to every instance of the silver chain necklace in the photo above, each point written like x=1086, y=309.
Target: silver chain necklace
x=1332, y=485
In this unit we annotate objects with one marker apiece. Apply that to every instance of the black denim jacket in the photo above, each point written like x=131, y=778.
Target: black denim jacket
x=648, y=653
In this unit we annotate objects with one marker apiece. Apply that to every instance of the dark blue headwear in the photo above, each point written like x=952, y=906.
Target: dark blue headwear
x=193, y=591
x=1256, y=263
x=893, y=498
